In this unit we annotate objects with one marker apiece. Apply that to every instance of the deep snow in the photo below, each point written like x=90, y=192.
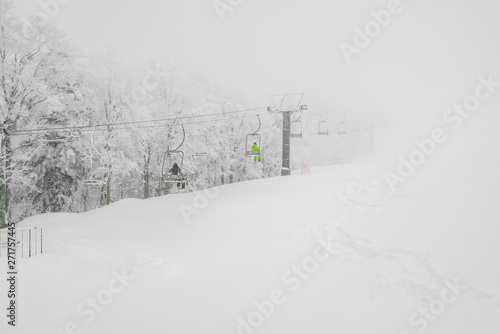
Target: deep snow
x=391, y=254
x=389, y=257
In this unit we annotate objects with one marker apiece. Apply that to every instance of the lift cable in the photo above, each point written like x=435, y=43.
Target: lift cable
x=82, y=127
x=96, y=129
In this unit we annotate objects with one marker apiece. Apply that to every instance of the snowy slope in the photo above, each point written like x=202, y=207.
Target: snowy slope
x=387, y=256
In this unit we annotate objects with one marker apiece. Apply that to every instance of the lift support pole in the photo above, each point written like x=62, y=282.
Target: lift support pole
x=287, y=124
x=285, y=169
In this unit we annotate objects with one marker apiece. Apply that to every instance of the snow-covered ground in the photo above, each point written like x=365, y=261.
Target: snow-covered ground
x=390, y=254
x=334, y=251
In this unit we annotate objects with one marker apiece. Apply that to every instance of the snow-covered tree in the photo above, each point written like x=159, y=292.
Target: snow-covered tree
x=33, y=82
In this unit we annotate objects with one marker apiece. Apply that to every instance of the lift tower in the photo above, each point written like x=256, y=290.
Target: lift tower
x=287, y=104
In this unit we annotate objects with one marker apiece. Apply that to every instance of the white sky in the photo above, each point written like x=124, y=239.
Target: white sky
x=428, y=58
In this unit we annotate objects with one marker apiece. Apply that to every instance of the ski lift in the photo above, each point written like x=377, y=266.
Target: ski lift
x=323, y=128
x=254, y=138
x=296, y=128
x=175, y=157
x=342, y=126
x=96, y=176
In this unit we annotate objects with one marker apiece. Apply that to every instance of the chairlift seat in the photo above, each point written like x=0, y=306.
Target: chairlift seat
x=323, y=128
x=251, y=139
x=98, y=177
x=296, y=129
x=175, y=178
x=342, y=128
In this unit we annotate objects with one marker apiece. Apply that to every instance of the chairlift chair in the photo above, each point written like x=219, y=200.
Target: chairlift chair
x=251, y=140
x=342, y=128
x=323, y=128
x=97, y=177
x=254, y=138
x=296, y=128
x=169, y=158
